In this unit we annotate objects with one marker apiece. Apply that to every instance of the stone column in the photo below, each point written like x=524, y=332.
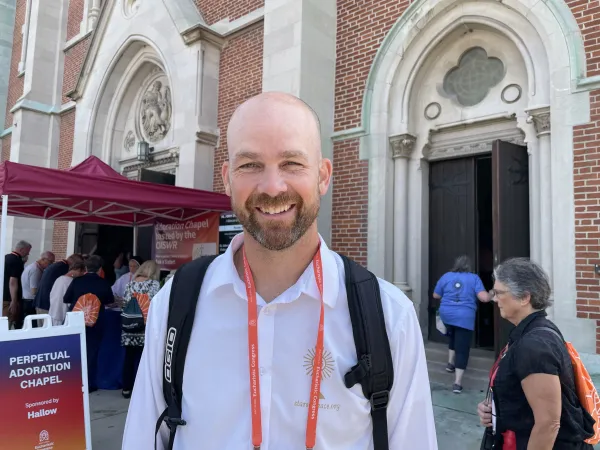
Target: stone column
x=36, y=120
x=7, y=22
x=299, y=58
x=94, y=13
x=402, y=147
x=540, y=117
x=534, y=201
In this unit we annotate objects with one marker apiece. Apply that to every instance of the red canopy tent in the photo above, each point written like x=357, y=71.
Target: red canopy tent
x=93, y=192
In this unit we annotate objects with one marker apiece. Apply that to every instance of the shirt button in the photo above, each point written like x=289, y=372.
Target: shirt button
x=267, y=310
x=262, y=370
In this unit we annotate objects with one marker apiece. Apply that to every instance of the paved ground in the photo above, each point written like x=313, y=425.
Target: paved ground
x=457, y=423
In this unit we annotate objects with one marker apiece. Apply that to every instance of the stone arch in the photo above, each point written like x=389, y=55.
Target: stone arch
x=549, y=42
x=552, y=20
x=137, y=61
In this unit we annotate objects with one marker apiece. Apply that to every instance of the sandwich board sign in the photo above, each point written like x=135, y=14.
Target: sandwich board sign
x=43, y=385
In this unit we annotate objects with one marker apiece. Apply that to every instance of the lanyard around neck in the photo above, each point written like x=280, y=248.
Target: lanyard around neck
x=313, y=408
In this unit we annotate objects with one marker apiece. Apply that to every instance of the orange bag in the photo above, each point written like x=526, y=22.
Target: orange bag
x=144, y=303
x=89, y=304
x=586, y=391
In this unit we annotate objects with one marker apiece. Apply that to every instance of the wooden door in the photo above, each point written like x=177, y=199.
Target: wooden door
x=452, y=228
x=510, y=211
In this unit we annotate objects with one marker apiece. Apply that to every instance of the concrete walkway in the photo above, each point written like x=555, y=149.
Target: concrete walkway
x=456, y=419
x=457, y=424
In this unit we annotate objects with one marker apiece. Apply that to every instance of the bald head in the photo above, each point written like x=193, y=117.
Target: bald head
x=274, y=112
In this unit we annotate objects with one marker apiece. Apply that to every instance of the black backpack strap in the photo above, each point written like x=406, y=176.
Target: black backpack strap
x=374, y=370
x=183, y=299
x=551, y=330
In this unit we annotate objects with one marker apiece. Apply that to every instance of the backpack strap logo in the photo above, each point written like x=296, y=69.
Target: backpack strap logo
x=171, y=335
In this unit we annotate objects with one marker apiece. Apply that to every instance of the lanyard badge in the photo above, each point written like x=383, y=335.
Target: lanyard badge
x=313, y=408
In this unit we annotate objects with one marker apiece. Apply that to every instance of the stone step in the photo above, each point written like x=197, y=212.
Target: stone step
x=476, y=376
x=478, y=359
x=473, y=379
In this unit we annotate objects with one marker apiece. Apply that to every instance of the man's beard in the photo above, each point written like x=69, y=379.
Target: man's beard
x=274, y=234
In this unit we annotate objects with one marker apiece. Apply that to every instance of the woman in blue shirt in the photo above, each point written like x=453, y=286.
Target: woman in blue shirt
x=459, y=290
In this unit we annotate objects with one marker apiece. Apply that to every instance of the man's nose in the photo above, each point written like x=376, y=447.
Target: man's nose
x=272, y=182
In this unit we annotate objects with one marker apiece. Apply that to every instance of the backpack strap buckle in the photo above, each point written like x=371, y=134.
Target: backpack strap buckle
x=174, y=422
x=379, y=400
x=358, y=373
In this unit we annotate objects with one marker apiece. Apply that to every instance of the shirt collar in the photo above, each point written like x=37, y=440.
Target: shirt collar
x=518, y=331
x=224, y=273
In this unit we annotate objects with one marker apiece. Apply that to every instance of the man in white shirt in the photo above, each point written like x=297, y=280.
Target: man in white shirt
x=30, y=280
x=275, y=177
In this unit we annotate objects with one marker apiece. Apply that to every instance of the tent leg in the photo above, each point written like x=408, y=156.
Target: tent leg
x=135, y=240
x=3, y=241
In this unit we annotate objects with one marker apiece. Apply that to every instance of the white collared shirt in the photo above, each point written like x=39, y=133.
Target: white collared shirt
x=216, y=389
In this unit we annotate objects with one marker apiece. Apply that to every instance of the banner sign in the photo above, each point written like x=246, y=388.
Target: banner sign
x=229, y=226
x=42, y=387
x=178, y=243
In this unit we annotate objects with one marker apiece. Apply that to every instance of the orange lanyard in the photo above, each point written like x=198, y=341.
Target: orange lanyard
x=496, y=366
x=313, y=408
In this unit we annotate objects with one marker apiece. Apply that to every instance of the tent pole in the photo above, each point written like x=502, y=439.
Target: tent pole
x=3, y=241
x=135, y=240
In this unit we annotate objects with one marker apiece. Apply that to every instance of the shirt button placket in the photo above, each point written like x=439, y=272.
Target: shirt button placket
x=266, y=336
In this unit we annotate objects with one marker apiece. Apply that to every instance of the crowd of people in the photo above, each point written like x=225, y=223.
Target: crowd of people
x=52, y=287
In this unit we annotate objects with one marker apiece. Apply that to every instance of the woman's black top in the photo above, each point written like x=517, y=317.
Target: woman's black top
x=533, y=351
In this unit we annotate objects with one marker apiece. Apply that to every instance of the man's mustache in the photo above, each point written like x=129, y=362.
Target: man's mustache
x=266, y=201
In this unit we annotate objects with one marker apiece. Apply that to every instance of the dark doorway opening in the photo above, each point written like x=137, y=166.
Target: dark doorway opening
x=479, y=206
x=108, y=241
x=484, y=265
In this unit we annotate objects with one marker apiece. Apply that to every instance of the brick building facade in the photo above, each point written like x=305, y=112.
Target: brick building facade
x=432, y=111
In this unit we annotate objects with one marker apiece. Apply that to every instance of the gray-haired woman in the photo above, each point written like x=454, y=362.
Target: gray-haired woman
x=532, y=401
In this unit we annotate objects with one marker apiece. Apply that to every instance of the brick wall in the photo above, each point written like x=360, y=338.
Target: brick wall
x=65, y=154
x=217, y=10
x=74, y=58
x=6, y=148
x=75, y=17
x=587, y=215
x=350, y=201
x=587, y=174
x=15, y=84
x=586, y=13
x=240, y=77
x=361, y=27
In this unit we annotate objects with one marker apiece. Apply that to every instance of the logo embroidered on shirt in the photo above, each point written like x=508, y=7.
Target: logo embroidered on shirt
x=327, y=371
x=328, y=363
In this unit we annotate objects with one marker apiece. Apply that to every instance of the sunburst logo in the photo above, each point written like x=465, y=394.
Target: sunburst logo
x=328, y=363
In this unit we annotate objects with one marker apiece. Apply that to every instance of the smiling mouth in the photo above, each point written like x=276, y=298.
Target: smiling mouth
x=274, y=211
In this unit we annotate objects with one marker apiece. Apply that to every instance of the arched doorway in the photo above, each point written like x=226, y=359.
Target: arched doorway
x=464, y=110
x=132, y=130
x=451, y=82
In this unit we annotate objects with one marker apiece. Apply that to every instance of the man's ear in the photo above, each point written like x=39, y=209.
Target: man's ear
x=325, y=171
x=225, y=176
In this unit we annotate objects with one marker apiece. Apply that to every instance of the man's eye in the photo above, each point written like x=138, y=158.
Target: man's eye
x=249, y=166
x=292, y=163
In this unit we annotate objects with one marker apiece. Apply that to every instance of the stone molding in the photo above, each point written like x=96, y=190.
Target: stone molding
x=207, y=138
x=170, y=159
x=189, y=22
x=402, y=145
x=540, y=118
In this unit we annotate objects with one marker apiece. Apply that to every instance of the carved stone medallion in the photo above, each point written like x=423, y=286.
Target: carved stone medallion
x=129, y=141
x=155, y=111
x=130, y=7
